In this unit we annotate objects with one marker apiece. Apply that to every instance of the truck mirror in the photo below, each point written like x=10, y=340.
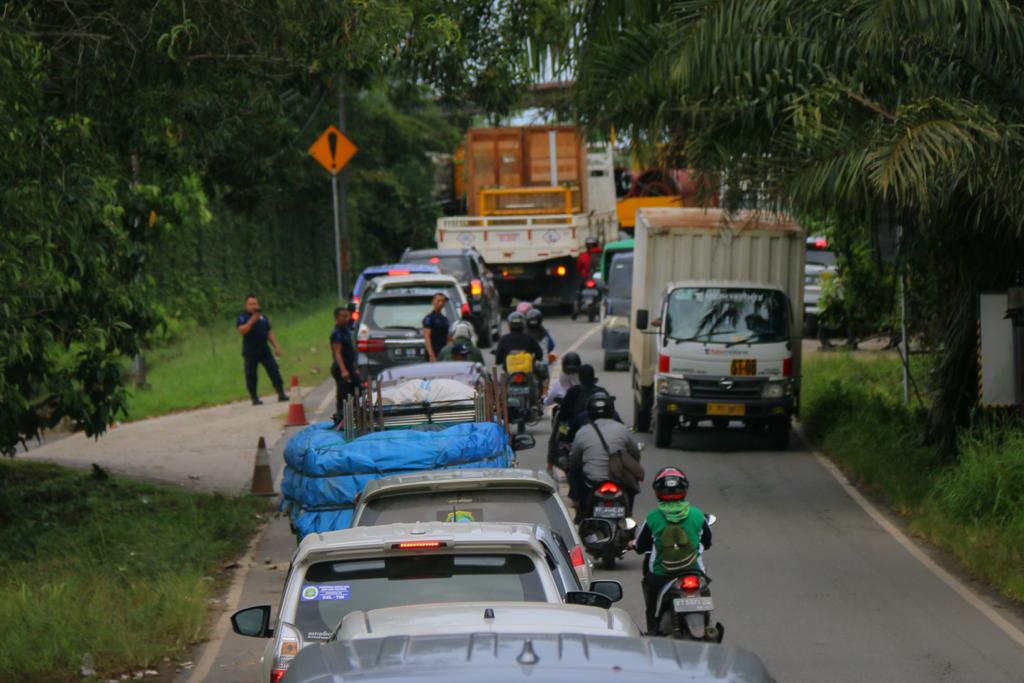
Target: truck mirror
x=641, y=319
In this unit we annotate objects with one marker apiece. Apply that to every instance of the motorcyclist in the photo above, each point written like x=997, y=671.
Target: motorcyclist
x=535, y=326
x=671, y=487
x=587, y=261
x=573, y=410
x=593, y=446
x=568, y=378
x=461, y=333
x=517, y=339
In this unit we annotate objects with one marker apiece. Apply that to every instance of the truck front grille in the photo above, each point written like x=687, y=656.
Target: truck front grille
x=713, y=389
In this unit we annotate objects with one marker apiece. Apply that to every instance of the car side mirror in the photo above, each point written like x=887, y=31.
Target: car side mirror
x=608, y=588
x=253, y=622
x=641, y=319
x=523, y=442
x=588, y=599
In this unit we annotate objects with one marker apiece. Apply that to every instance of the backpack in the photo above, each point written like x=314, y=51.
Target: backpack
x=676, y=551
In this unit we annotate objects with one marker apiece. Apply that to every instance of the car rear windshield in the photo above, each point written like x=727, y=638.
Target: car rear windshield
x=529, y=506
x=330, y=590
x=821, y=258
x=727, y=315
x=620, y=277
x=453, y=265
x=401, y=312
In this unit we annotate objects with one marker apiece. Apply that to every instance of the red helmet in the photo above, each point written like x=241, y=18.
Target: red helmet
x=670, y=483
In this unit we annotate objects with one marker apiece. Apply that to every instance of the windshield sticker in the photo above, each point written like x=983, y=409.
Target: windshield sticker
x=460, y=516
x=326, y=592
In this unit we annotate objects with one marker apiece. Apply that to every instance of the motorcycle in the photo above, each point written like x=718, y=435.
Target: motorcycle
x=588, y=300
x=607, y=529
x=524, y=386
x=685, y=605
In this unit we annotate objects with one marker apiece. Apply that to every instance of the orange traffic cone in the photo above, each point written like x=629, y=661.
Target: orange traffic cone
x=296, y=411
x=262, y=483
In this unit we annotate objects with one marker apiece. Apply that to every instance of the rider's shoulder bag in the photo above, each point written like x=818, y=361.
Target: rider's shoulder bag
x=622, y=467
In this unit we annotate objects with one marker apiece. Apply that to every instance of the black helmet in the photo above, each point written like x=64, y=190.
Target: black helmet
x=534, y=318
x=460, y=349
x=571, y=363
x=670, y=483
x=516, y=321
x=601, y=405
x=591, y=242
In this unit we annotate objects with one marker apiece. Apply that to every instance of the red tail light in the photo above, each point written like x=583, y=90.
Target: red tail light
x=577, y=557
x=662, y=363
x=355, y=299
x=276, y=675
x=370, y=345
x=399, y=272
x=590, y=284
x=476, y=288
x=518, y=378
x=821, y=244
x=690, y=583
x=464, y=310
x=355, y=316
x=418, y=545
x=787, y=367
x=435, y=259
x=560, y=271
x=608, y=487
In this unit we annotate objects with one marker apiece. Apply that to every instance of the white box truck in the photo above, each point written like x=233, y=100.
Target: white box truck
x=717, y=333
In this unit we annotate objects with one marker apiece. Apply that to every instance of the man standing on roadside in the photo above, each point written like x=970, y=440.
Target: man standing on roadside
x=256, y=332
x=435, y=327
x=343, y=354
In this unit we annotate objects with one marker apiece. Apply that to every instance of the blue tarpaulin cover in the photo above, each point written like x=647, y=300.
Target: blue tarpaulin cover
x=324, y=473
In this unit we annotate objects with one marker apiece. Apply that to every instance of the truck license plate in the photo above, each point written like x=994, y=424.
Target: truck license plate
x=513, y=270
x=727, y=409
x=744, y=367
x=610, y=512
x=701, y=604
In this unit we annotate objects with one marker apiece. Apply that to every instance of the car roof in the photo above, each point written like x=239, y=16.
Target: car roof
x=724, y=284
x=483, y=617
x=540, y=658
x=460, y=479
x=412, y=267
x=427, y=292
x=460, y=535
x=419, y=280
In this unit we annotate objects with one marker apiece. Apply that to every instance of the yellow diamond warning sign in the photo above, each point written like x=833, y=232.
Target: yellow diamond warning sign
x=332, y=149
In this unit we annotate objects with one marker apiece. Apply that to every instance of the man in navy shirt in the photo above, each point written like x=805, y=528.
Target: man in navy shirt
x=343, y=359
x=435, y=327
x=256, y=332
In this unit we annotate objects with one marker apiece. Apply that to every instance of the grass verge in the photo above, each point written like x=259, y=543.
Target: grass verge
x=204, y=367
x=105, y=571
x=972, y=507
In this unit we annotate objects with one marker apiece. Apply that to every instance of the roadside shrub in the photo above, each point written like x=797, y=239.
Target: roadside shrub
x=988, y=480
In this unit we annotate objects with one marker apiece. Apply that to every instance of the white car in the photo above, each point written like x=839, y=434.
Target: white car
x=440, y=282
x=371, y=567
x=486, y=617
x=489, y=494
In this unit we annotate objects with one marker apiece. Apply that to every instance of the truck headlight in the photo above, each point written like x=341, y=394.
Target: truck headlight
x=775, y=389
x=674, y=387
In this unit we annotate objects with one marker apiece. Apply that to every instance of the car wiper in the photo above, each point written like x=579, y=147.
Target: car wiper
x=745, y=340
x=699, y=337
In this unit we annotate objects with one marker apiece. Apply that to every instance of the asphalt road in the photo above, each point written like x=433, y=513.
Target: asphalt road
x=802, y=575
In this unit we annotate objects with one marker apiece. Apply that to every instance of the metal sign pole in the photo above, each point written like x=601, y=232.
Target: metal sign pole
x=337, y=233
x=344, y=252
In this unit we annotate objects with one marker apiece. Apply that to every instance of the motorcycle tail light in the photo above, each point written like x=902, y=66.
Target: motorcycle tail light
x=577, y=557
x=690, y=583
x=464, y=310
x=591, y=284
x=608, y=487
x=518, y=378
x=476, y=288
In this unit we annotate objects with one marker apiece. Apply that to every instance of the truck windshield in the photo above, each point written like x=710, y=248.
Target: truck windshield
x=727, y=315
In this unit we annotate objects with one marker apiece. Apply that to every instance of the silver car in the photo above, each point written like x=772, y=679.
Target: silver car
x=370, y=567
x=820, y=264
x=489, y=495
x=532, y=657
x=486, y=617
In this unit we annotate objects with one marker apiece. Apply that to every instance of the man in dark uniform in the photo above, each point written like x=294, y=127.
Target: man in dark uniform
x=343, y=357
x=256, y=332
x=435, y=327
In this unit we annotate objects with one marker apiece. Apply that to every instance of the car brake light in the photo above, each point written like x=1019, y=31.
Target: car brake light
x=560, y=271
x=277, y=674
x=787, y=367
x=577, y=557
x=435, y=259
x=418, y=545
x=355, y=316
x=662, y=363
x=608, y=487
x=399, y=272
x=288, y=645
x=476, y=288
x=355, y=299
x=690, y=583
x=821, y=244
x=370, y=345
x=464, y=309
x=590, y=284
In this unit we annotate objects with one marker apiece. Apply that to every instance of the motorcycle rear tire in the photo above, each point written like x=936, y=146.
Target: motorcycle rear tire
x=521, y=427
x=592, y=316
x=608, y=557
x=668, y=625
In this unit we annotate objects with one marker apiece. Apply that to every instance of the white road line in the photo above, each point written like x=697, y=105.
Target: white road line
x=957, y=586
x=223, y=625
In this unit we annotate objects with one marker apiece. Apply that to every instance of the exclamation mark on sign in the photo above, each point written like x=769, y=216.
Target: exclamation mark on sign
x=332, y=144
